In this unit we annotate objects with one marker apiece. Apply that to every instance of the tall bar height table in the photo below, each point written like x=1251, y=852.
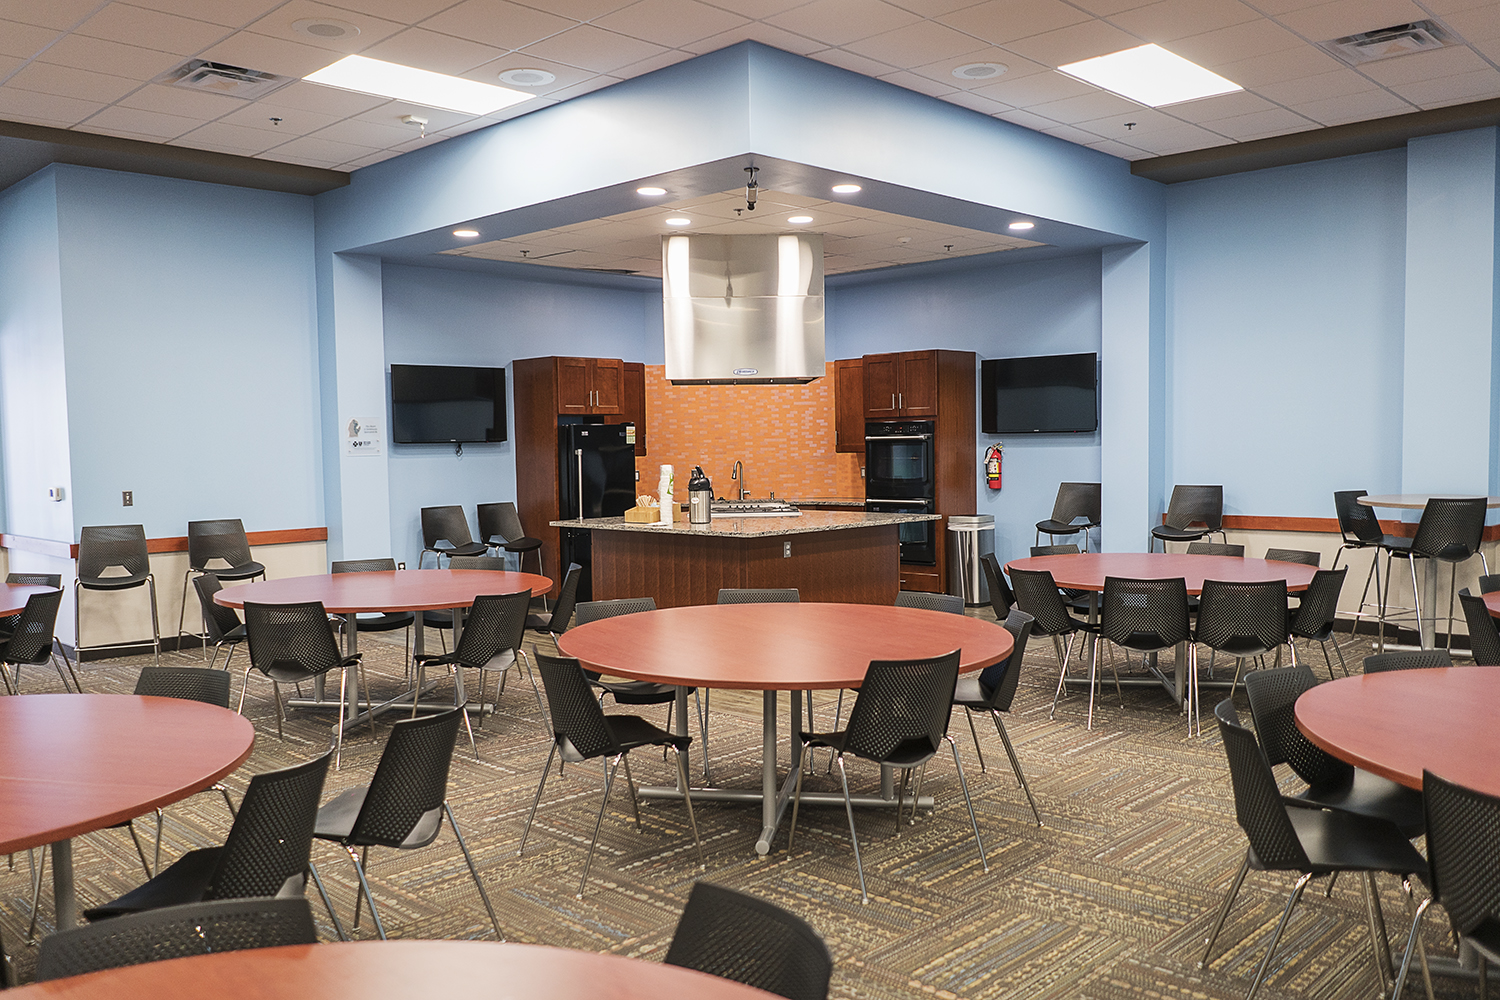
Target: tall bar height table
x=772, y=648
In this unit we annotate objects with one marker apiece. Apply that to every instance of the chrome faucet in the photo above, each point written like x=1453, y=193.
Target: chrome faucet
x=738, y=474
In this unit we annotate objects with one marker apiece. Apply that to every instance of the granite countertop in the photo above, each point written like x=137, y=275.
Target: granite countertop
x=753, y=527
x=827, y=502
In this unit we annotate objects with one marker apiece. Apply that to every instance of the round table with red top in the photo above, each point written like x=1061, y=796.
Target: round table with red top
x=771, y=648
x=13, y=596
x=73, y=763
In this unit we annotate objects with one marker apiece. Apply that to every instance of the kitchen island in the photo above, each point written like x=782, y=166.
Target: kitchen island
x=829, y=556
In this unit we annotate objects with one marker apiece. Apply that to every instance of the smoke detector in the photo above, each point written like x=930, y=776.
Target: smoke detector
x=1387, y=43
x=218, y=78
x=979, y=71
x=527, y=77
x=325, y=29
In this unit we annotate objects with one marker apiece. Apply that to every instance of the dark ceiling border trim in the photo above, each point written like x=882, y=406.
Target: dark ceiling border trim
x=1316, y=144
x=89, y=149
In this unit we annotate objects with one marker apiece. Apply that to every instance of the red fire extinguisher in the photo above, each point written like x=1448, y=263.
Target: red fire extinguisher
x=992, y=467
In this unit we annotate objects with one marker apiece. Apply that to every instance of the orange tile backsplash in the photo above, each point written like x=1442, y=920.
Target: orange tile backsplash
x=782, y=433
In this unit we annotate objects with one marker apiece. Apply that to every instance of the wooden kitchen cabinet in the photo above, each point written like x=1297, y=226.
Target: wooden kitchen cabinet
x=849, y=405
x=901, y=385
x=589, y=385
x=633, y=402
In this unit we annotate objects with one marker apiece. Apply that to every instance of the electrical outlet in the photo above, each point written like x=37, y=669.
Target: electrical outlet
x=127, y=498
x=786, y=550
x=401, y=565
x=861, y=472
x=638, y=475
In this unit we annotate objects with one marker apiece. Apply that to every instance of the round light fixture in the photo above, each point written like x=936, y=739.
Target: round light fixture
x=324, y=28
x=467, y=234
x=678, y=220
x=1021, y=227
x=527, y=77
x=979, y=71
x=903, y=240
x=846, y=189
x=651, y=192
x=799, y=220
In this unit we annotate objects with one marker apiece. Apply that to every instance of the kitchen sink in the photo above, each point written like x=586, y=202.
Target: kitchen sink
x=753, y=508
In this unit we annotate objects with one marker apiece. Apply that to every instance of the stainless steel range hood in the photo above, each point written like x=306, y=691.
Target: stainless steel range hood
x=743, y=309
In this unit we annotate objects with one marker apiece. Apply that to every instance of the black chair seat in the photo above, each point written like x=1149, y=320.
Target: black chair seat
x=500, y=661
x=540, y=620
x=471, y=549
x=337, y=816
x=437, y=619
x=184, y=882
x=387, y=621
x=234, y=635
x=244, y=571
x=1369, y=794
x=971, y=693
x=637, y=692
x=910, y=753
x=112, y=582
x=1485, y=939
x=523, y=544
x=1169, y=534
x=1395, y=544
x=632, y=731
x=1338, y=841
x=1051, y=527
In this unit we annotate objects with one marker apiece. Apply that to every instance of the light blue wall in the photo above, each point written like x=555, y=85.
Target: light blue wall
x=437, y=317
x=1285, y=333
x=190, y=338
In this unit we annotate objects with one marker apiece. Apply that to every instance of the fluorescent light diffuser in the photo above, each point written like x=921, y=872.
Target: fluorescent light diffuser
x=846, y=189
x=419, y=86
x=651, y=192
x=800, y=220
x=466, y=234
x=1022, y=226
x=1150, y=75
x=679, y=221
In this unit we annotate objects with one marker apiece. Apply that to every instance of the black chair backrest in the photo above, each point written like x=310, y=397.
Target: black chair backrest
x=737, y=936
x=364, y=566
x=1144, y=615
x=103, y=546
x=1196, y=504
x=35, y=579
x=1243, y=619
x=1320, y=604
x=1414, y=659
x=930, y=602
x=219, y=619
x=499, y=519
x=271, y=838
x=1273, y=697
x=176, y=932
x=1484, y=638
x=1001, y=596
x=592, y=611
x=1357, y=523
x=1463, y=843
x=493, y=563
x=31, y=640
x=567, y=600
x=1037, y=595
x=1060, y=549
x=224, y=539
x=759, y=595
x=901, y=713
x=1450, y=529
x=1214, y=549
x=576, y=715
x=1078, y=500
x=188, y=683
x=1487, y=584
x=1302, y=556
x=493, y=625
x=410, y=782
x=1000, y=680
x=446, y=524
x=1257, y=799
x=290, y=637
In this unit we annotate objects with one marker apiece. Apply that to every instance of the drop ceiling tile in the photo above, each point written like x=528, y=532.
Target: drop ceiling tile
x=273, y=55
x=1274, y=120
x=1172, y=19
x=1075, y=42
x=1107, y=8
x=293, y=122
x=1141, y=119
x=653, y=63
x=920, y=84
x=1177, y=140
x=836, y=22
x=438, y=119
x=579, y=10
x=517, y=110
x=1124, y=151
x=1372, y=103
x=498, y=23
x=304, y=96
x=918, y=44
x=405, y=11
x=1346, y=17
x=588, y=47
x=24, y=40
x=152, y=29
x=1478, y=25
x=1420, y=66
x=1490, y=49
x=759, y=9
x=65, y=81
x=764, y=33
x=231, y=138
x=1217, y=50
x=1256, y=72
x=1478, y=85
x=1039, y=88
x=1446, y=8
x=147, y=123
x=59, y=14
x=1000, y=21
x=9, y=64
x=432, y=51
x=587, y=86
x=181, y=101
x=850, y=228
x=1015, y=68
x=47, y=109
x=673, y=23
x=1026, y=119
x=229, y=13
x=1310, y=88
x=278, y=24
x=462, y=128
x=1070, y=134
x=1241, y=102
x=98, y=55
x=844, y=59
x=372, y=159
x=1084, y=107
x=325, y=150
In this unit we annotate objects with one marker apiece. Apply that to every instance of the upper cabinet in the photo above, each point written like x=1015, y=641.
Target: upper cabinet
x=900, y=385
x=848, y=405
x=633, y=404
x=590, y=385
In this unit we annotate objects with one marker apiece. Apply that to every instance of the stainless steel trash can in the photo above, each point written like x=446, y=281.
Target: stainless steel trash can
x=971, y=536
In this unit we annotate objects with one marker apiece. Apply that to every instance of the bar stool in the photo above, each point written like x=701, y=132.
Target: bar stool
x=1450, y=531
x=104, y=547
x=500, y=521
x=224, y=540
x=1361, y=530
x=1074, y=500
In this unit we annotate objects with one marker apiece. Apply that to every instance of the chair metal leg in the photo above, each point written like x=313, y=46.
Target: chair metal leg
x=975, y=733
x=1062, y=674
x=244, y=684
x=534, y=802
x=609, y=777
x=155, y=626
x=901, y=795
x=1234, y=890
x=635, y=804
x=532, y=675
x=365, y=887
x=338, y=726
x=963, y=783
x=38, y=870
x=1379, y=940
x=791, y=833
x=478, y=884
x=1416, y=591
x=1093, y=680
x=1015, y=763
x=1452, y=593
x=859, y=865
x=687, y=800
x=702, y=705
x=338, y=925
x=1286, y=915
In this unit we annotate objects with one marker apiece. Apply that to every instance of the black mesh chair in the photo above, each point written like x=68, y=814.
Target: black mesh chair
x=1302, y=556
x=992, y=690
x=31, y=643
x=555, y=622
x=1331, y=783
x=1286, y=834
x=381, y=621
x=1361, y=529
x=1463, y=845
x=223, y=540
x=1488, y=583
x=222, y=624
x=53, y=580
x=1037, y=595
x=115, y=546
x=1078, y=507
x=581, y=731
x=443, y=620
x=291, y=643
x=1411, y=659
x=900, y=718
x=491, y=640
x=1194, y=512
x=1001, y=596
x=1484, y=638
x=930, y=602
x=265, y=854
x=402, y=806
x=445, y=532
x=1450, y=531
x=176, y=932
x=736, y=936
x=1244, y=620
x=500, y=528
x=1147, y=616
x=1215, y=549
x=1078, y=601
x=1316, y=614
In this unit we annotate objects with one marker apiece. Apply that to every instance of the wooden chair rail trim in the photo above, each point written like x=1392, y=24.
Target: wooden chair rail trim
x=1326, y=525
x=65, y=550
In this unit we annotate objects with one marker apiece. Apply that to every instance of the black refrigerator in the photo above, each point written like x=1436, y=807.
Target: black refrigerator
x=595, y=463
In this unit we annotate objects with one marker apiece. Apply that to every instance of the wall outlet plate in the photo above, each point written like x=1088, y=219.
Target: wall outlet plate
x=786, y=550
x=127, y=498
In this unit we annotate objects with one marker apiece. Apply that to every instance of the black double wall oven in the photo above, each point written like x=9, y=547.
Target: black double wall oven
x=900, y=479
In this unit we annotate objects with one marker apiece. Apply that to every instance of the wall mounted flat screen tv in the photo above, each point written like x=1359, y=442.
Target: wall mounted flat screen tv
x=435, y=404
x=1057, y=394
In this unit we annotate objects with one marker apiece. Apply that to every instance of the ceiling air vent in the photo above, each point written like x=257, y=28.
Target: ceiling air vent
x=1387, y=43
x=217, y=78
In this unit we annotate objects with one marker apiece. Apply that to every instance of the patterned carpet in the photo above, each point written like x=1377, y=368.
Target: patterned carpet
x=1111, y=899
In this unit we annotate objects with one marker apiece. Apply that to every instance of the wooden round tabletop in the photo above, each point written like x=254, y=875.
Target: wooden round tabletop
x=1492, y=601
x=386, y=590
x=777, y=647
x=396, y=970
x=1087, y=570
x=1416, y=501
x=14, y=596
x=1398, y=722
x=71, y=763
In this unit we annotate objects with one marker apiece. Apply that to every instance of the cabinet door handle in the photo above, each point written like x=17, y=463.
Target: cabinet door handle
x=900, y=401
x=893, y=400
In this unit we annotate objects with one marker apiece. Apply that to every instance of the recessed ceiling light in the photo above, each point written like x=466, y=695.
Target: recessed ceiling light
x=1150, y=75
x=678, y=220
x=651, y=192
x=419, y=86
x=799, y=220
x=846, y=189
x=979, y=71
x=467, y=234
x=1021, y=226
x=527, y=77
x=324, y=28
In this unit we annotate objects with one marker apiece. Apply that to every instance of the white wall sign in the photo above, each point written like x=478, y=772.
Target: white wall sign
x=362, y=437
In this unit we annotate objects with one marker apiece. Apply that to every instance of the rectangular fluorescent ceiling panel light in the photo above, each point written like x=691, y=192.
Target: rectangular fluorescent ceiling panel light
x=419, y=86
x=1150, y=75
